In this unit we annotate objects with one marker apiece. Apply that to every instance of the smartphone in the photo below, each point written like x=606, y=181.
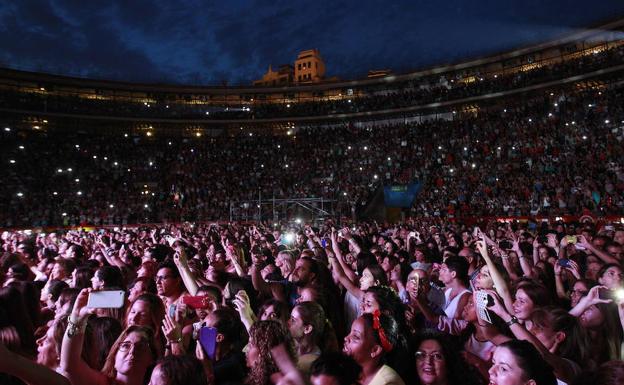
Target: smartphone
x=483, y=300
x=605, y=294
x=571, y=239
x=170, y=240
x=505, y=244
x=208, y=341
x=323, y=243
x=197, y=301
x=616, y=294
x=563, y=262
x=113, y=299
x=609, y=228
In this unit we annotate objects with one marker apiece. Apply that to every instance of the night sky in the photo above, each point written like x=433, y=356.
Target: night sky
x=209, y=42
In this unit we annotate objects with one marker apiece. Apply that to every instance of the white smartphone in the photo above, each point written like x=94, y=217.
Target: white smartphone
x=481, y=298
x=112, y=299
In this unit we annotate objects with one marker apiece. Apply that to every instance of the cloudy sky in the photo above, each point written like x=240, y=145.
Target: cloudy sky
x=209, y=42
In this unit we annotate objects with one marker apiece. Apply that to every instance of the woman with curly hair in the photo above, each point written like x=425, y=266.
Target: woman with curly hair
x=263, y=336
x=438, y=361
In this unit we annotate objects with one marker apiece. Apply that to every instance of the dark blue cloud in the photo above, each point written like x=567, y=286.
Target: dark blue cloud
x=208, y=42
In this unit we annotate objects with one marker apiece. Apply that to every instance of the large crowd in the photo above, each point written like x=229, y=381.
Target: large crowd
x=421, y=90
x=427, y=301
x=163, y=290
x=555, y=154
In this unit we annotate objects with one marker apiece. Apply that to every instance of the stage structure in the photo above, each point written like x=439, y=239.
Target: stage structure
x=308, y=209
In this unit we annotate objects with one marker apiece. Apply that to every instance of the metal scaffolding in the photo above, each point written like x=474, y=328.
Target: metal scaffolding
x=282, y=209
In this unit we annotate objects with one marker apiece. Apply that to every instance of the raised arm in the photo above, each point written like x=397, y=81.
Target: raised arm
x=564, y=370
x=351, y=287
x=606, y=258
x=499, y=282
x=273, y=289
x=181, y=262
x=346, y=234
x=340, y=258
x=527, y=269
x=592, y=298
x=78, y=372
x=28, y=371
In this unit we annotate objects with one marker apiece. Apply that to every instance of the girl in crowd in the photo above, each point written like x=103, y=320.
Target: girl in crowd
x=147, y=310
x=481, y=337
x=438, y=362
x=263, y=336
x=108, y=277
x=311, y=332
x=229, y=360
x=555, y=334
x=611, y=276
x=529, y=296
x=127, y=363
x=385, y=300
x=519, y=363
x=371, y=274
x=178, y=370
x=140, y=286
x=599, y=316
x=371, y=344
x=82, y=277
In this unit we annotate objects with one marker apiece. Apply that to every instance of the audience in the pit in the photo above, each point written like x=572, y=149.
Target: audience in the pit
x=517, y=325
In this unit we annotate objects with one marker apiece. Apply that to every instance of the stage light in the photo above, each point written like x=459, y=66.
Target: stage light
x=79, y=193
x=12, y=161
x=19, y=194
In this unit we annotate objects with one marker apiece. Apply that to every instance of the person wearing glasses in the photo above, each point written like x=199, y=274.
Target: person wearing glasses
x=169, y=286
x=438, y=361
x=127, y=363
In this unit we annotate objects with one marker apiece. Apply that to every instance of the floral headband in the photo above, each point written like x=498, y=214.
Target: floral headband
x=385, y=343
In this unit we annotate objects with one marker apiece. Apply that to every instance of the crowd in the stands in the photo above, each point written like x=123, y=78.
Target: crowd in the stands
x=556, y=154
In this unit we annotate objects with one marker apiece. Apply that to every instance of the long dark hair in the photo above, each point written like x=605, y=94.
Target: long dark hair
x=323, y=334
x=182, y=370
x=575, y=346
x=395, y=358
x=531, y=362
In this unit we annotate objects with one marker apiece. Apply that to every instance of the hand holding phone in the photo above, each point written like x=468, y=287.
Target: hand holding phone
x=111, y=299
x=482, y=301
